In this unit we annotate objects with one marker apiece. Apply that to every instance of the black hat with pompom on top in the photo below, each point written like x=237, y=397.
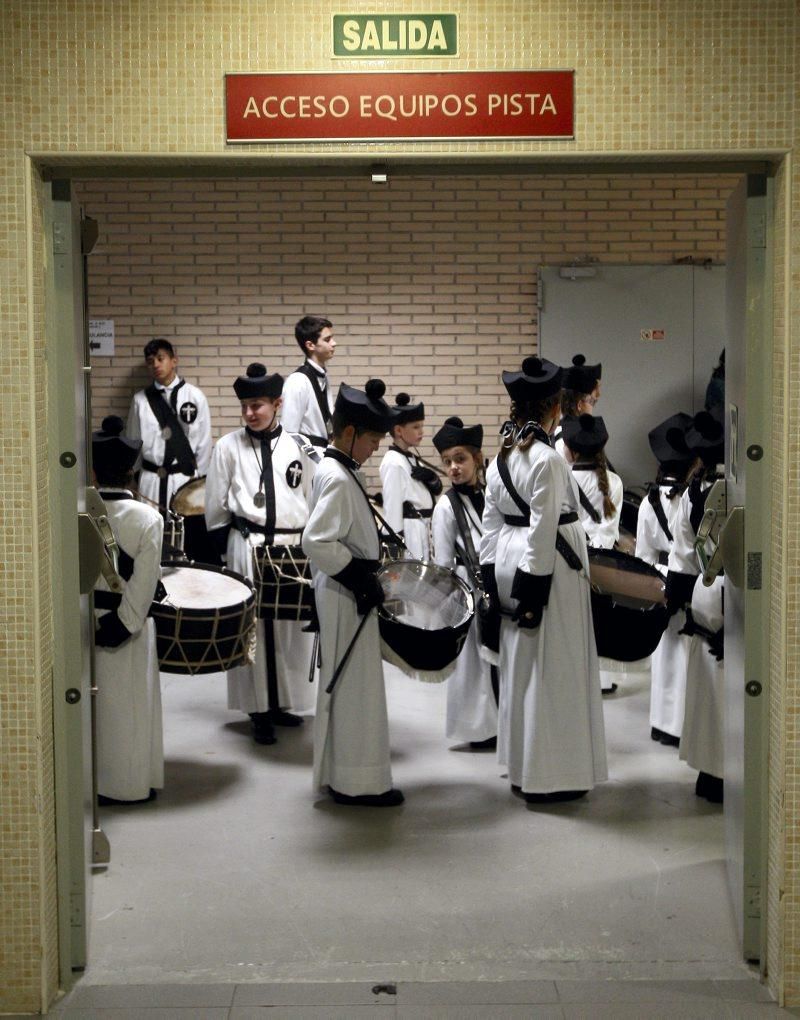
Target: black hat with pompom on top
x=406, y=410
x=365, y=408
x=112, y=452
x=455, y=433
x=257, y=382
x=580, y=377
x=538, y=380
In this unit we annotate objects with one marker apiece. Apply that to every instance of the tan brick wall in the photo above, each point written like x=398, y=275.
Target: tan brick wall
x=430, y=281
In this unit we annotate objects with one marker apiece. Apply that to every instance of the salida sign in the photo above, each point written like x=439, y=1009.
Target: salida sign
x=399, y=105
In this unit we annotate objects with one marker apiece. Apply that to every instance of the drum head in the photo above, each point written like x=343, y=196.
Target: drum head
x=631, y=581
x=199, y=587
x=190, y=499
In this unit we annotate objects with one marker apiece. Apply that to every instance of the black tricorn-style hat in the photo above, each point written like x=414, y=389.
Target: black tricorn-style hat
x=455, y=433
x=538, y=380
x=256, y=382
x=705, y=437
x=668, y=439
x=366, y=407
x=406, y=411
x=111, y=450
x=586, y=434
x=580, y=377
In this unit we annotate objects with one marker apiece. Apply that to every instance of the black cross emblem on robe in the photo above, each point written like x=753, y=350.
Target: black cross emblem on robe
x=294, y=474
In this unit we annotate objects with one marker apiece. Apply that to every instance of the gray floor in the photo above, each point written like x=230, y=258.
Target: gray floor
x=236, y=894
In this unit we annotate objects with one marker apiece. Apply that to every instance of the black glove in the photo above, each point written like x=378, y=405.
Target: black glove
x=716, y=645
x=360, y=579
x=111, y=632
x=532, y=592
x=678, y=590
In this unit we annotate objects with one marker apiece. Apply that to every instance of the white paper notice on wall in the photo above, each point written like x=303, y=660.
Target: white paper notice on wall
x=653, y=334
x=101, y=337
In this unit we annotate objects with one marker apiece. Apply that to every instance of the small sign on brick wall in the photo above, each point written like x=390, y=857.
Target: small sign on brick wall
x=101, y=338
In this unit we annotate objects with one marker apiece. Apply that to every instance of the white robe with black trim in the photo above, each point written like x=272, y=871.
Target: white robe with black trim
x=130, y=747
x=551, y=731
x=300, y=410
x=471, y=705
x=233, y=480
x=192, y=412
x=351, y=729
x=399, y=487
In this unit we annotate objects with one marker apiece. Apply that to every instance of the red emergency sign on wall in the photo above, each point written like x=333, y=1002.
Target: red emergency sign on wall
x=399, y=105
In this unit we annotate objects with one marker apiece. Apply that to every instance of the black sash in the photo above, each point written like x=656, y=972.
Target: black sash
x=585, y=502
x=322, y=400
x=176, y=448
x=468, y=554
x=562, y=545
x=697, y=497
x=654, y=496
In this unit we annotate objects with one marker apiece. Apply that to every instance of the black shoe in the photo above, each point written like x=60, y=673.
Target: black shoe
x=108, y=801
x=278, y=717
x=710, y=787
x=483, y=745
x=669, y=741
x=555, y=797
x=263, y=732
x=391, y=798
x=656, y=734
x=609, y=690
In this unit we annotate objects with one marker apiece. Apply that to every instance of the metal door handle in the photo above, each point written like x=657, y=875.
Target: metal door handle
x=97, y=547
x=731, y=546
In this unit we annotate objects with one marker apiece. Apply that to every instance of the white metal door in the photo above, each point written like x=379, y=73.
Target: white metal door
x=745, y=553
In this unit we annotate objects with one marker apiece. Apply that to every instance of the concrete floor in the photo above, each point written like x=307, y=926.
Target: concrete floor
x=237, y=882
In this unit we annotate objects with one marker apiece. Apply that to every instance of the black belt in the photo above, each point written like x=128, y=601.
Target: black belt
x=173, y=469
x=663, y=559
x=247, y=527
x=518, y=521
x=413, y=513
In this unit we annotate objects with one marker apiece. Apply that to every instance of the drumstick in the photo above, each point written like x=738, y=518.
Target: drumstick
x=343, y=661
x=314, y=653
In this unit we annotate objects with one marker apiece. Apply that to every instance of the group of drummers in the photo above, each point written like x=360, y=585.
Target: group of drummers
x=514, y=540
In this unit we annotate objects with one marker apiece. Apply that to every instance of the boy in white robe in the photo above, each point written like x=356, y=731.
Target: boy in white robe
x=351, y=731
x=307, y=398
x=130, y=750
x=257, y=492
x=409, y=486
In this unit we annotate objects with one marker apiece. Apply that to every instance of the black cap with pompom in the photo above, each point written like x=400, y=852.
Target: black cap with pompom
x=705, y=437
x=113, y=454
x=256, y=382
x=580, y=377
x=365, y=408
x=453, y=433
x=406, y=411
x=668, y=439
x=538, y=380
x=585, y=434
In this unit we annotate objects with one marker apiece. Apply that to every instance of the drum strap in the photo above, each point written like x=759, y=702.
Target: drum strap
x=306, y=444
x=322, y=400
x=586, y=504
x=654, y=496
x=176, y=448
x=469, y=555
x=697, y=497
x=562, y=545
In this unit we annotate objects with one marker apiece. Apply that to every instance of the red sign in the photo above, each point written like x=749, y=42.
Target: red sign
x=399, y=105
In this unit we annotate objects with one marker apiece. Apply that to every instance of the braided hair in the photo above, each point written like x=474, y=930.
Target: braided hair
x=525, y=411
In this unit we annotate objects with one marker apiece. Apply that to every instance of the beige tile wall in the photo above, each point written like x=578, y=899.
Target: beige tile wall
x=87, y=76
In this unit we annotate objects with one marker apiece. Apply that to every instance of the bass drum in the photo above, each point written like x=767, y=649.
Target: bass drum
x=425, y=618
x=628, y=605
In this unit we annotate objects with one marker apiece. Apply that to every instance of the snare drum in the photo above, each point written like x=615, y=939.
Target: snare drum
x=282, y=577
x=425, y=618
x=190, y=499
x=206, y=623
x=628, y=605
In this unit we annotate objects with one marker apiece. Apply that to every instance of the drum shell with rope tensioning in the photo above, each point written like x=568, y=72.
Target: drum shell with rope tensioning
x=628, y=605
x=424, y=618
x=282, y=579
x=206, y=622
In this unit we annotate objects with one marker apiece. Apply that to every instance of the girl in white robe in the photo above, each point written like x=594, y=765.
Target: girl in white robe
x=580, y=393
x=130, y=749
x=655, y=531
x=351, y=731
x=472, y=687
x=551, y=732
x=409, y=487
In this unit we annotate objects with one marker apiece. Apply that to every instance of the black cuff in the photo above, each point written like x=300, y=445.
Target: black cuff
x=111, y=632
x=218, y=539
x=354, y=576
x=531, y=590
x=678, y=590
x=489, y=579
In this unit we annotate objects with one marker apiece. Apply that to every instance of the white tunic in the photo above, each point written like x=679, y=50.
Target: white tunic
x=551, y=731
x=398, y=488
x=602, y=534
x=233, y=480
x=130, y=750
x=668, y=662
x=300, y=411
x=351, y=730
x=193, y=414
x=703, y=737
x=471, y=705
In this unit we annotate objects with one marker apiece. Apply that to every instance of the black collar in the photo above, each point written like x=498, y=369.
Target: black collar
x=583, y=466
x=405, y=453
x=342, y=458
x=264, y=434
x=315, y=367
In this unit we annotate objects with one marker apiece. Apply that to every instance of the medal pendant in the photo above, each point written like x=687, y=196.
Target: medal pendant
x=260, y=500
x=166, y=433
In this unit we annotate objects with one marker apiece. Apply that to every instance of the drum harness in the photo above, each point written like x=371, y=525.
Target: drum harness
x=715, y=639
x=112, y=600
x=179, y=457
x=425, y=473
x=313, y=377
x=654, y=498
x=585, y=502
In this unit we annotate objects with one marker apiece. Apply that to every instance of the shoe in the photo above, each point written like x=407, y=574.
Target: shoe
x=391, y=798
x=278, y=717
x=609, y=690
x=669, y=741
x=710, y=787
x=483, y=745
x=108, y=801
x=263, y=732
x=656, y=734
x=555, y=797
